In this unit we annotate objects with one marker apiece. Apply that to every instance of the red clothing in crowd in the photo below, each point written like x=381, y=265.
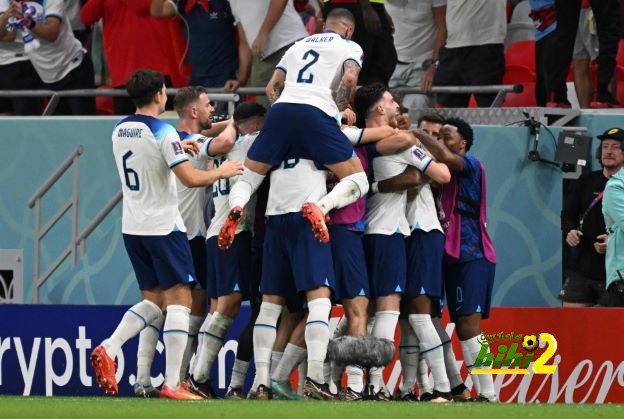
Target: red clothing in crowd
x=133, y=39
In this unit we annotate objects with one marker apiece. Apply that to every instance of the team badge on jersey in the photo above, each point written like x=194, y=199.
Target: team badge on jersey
x=419, y=153
x=177, y=148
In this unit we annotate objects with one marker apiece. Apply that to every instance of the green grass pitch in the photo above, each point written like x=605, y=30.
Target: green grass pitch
x=118, y=408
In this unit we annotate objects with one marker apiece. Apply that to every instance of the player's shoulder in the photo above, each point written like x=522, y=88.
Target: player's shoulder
x=159, y=128
x=201, y=139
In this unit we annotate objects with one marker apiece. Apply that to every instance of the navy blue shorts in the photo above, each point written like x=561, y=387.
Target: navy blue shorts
x=230, y=271
x=469, y=287
x=349, y=263
x=162, y=261
x=300, y=131
x=425, y=260
x=386, y=263
x=198, y=251
x=293, y=260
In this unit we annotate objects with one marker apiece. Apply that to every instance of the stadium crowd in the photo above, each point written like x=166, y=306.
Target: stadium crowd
x=330, y=197
x=84, y=44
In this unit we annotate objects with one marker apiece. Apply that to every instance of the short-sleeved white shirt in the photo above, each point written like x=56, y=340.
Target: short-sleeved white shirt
x=145, y=150
x=53, y=60
x=422, y=213
x=314, y=68
x=288, y=29
x=475, y=22
x=385, y=212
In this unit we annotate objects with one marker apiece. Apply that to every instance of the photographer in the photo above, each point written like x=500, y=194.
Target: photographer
x=585, y=227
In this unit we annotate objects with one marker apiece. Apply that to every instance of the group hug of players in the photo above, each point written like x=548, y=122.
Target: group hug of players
x=381, y=219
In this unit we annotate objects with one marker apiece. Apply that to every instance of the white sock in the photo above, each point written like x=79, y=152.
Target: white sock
x=431, y=350
x=201, y=341
x=317, y=337
x=370, y=322
x=450, y=362
x=264, y=334
x=245, y=186
x=195, y=323
x=213, y=340
x=239, y=373
x=148, y=339
x=293, y=356
x=384, y=327
x=348, y=190
x=134, y=320
x=355, y=378
x=276, y=357
x=408, y=355
x=484, y=382
x=335, y=374
x=425, y=385
x=175, y=335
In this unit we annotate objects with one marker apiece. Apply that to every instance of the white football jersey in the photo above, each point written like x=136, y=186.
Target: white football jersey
x=221, y=189
x=145, y=150
x=385, y=212
x=314, y=67
x=422, y=213
x=191, y=201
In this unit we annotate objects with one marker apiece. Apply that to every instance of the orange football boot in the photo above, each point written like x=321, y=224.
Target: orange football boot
x=228, y=229
x=105, y=369
x=316, y=217
x=179, y=394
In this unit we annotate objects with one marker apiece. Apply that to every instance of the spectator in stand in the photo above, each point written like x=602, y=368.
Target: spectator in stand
x=583, y=222
x=545, y=20
x=81, y=32
x=607, y=14
x=16, y=73
x=420, y=32
x=133, y=39
x=373, y=32
x=613, y=211
x=269, y=37
x=56, y=55
x=474, y=53
x=212, y=39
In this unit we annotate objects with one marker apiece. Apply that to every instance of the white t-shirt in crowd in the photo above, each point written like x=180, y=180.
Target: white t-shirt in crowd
x=314, y=67
x=414, y=28
x=385, y=212
x=145, y=150
x=11, y=52
x=475, y=22
x=251, y=13
x=53, y=60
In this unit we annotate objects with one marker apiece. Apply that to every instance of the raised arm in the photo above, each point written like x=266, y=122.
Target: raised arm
x=439, y=151
x=193, y=178
x=348, y=83
x=224, y=142
x=276, y=85
x=216, y=129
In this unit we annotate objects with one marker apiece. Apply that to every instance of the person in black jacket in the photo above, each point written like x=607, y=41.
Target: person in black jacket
x=584, y=224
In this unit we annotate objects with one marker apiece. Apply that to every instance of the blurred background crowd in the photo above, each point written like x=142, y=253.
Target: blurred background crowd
x=564, y=52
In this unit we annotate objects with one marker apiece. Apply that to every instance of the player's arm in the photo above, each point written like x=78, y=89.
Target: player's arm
x=216, y=128
x=440, y=152
x=410, y=178
x=397, y=142
x=275, y=11
x=245, y=58
x=163, y=8
x=224, y=142
x=370, y=135
x=193, y=178
x=276, y=84
x=4, y=34
x=348, y=83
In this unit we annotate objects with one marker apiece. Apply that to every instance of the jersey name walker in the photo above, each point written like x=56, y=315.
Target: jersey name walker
x=191, y=201
x=221, y=188
x=145, y=150
x=385, y=212
x=314, y=67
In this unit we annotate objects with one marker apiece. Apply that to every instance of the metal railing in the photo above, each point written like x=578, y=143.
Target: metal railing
x=77, y=239
x=55, y=96
x=217, y=94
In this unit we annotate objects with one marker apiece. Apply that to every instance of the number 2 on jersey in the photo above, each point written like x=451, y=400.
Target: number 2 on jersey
x=132, y=177
x=315, y=56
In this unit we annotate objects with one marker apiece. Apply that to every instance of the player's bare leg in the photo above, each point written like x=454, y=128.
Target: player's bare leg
x=468, y=329
x=133, y=321
x=353, y=184
x=253, y=174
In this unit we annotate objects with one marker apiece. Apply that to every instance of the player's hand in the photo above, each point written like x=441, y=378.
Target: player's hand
x=404, y=121
x=257, y=48
x=190, y=146
x=601, y=244
x=574, y=238
x=348, y=117
x=15, y=10
x=426, y=81
x=372, y=23
x=230, y=168
x=231, y=86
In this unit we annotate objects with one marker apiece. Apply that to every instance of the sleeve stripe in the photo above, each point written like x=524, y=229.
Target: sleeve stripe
x=59, y=17
x=279, y=67
x=424, y=169
x=358, y=62
x=175, y=163
x=360, y=136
